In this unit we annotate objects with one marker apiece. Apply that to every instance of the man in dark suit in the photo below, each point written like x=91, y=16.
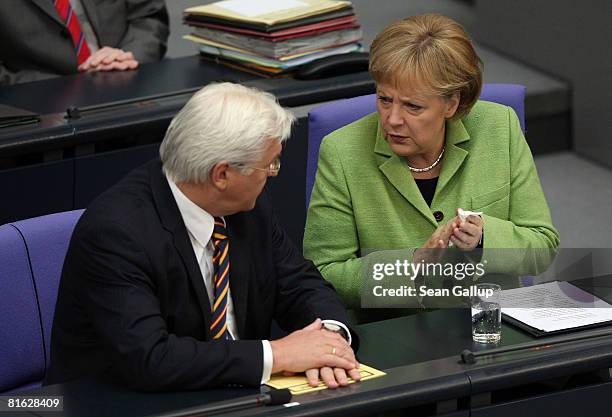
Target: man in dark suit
x=39, y=38
x=174, y=275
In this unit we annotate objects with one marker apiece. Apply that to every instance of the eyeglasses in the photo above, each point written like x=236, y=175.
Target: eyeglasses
x=272, y=169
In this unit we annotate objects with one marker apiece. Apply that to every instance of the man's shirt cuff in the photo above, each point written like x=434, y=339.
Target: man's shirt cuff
x=338, y=323
x=267, y=361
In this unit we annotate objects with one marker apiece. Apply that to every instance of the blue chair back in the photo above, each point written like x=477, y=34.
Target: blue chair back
x=324, y=119
x=22, y=357
x=32, y=254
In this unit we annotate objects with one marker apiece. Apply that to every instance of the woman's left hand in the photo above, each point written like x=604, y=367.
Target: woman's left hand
x=469, y=233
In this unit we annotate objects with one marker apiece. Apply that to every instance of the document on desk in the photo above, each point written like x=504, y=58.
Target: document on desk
x=268, y=11
x=298, y=384
x=554, y=307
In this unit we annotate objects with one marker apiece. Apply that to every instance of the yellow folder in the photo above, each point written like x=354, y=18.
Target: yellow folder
x=298, y=384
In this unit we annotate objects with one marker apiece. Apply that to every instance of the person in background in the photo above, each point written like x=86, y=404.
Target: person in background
x=395, y=178
x=174, y=275
x=46, y=38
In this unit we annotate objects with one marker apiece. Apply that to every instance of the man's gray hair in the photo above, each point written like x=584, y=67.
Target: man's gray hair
x=222, y=122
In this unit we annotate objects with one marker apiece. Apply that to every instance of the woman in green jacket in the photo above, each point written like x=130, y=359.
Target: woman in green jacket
x=394, y=179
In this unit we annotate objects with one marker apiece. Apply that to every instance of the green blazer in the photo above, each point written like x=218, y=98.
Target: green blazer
x=365, y=199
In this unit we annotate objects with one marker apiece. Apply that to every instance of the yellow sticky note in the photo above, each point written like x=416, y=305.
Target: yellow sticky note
x=298, y=384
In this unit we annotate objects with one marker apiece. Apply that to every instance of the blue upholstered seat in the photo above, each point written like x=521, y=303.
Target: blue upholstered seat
x=31, y=258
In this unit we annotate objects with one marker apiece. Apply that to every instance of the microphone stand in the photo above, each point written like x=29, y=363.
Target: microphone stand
x=274, y=397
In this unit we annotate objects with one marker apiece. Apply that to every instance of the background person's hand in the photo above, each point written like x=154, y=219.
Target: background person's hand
x=467, y=234
x=109, y=59
x=312, y=347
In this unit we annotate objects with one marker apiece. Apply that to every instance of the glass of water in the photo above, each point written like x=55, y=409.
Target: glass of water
x=486, y=313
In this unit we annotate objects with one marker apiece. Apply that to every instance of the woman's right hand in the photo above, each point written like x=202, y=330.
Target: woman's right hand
x=438, y=240
x=440, y=237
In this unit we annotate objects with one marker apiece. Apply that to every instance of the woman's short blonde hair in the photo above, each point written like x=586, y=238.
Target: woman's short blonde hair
x=431, y=51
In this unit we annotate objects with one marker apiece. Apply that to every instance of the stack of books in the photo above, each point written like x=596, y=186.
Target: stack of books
x=273, y=37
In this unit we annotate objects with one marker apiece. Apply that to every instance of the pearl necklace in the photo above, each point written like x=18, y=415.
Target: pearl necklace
x=429, y=168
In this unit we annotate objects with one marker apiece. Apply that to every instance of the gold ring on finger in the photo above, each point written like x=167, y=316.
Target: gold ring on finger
x=333, y=350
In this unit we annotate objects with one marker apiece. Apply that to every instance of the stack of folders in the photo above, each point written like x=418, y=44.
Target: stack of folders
x=273, y=37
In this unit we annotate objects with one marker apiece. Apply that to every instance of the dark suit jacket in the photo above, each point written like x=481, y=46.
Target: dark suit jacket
x=34, y=43
x=132, y=304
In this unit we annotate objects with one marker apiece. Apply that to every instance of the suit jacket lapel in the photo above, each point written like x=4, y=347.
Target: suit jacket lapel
x=239, y=269
x=48, y=7
x=454, y=156
x=398, y=174
x=173, y=222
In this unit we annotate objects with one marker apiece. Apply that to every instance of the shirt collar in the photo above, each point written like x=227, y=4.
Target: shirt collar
x=197, y=220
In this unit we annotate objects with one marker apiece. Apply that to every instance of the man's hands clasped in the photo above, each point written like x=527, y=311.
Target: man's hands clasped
x=318, y=352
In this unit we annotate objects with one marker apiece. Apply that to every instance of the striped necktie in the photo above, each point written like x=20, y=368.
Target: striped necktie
x=218, y=328
x=72, y=23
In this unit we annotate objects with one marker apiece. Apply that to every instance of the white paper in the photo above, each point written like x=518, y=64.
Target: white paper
x=252, y=8
x=464, y=214
x=556, y=305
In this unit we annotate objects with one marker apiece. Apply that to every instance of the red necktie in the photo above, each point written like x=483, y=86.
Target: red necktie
x=218, y=328
x=72, y=23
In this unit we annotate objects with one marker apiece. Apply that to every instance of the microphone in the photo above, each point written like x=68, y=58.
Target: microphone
x=274, y=397
x=278, y=397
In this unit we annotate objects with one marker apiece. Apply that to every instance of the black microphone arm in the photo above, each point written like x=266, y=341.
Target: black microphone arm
x=274, y=397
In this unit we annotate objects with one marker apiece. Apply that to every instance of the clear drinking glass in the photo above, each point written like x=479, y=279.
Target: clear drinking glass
x=486, y=313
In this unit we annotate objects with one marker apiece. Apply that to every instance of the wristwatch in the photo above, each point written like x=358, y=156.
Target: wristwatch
x=334, y=328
